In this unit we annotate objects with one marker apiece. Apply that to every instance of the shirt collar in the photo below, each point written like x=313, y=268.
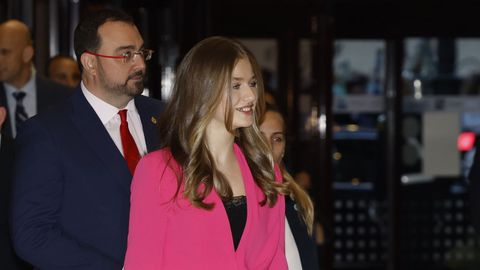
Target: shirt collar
x=28, y=88
x=104, y=110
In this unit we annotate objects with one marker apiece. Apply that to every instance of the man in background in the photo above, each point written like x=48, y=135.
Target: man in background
x=22, y=91
x=64, y=69
x=8, y=259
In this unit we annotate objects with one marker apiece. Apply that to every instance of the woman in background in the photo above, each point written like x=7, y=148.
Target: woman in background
x=211, y=197
x=300, y=248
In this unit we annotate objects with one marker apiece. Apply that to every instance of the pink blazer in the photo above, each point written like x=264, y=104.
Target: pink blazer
x=173, y=234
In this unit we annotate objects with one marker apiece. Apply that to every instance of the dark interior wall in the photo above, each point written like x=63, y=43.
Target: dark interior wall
x=393, y=19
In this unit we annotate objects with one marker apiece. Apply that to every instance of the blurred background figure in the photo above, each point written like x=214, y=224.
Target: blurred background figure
x=22, y=91
x=303, y=179
x=300, y=246
x=63, y=69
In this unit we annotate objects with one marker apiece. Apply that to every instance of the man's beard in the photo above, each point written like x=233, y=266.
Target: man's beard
x=122, y=88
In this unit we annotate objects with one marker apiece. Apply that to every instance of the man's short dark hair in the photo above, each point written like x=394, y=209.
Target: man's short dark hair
x=86, y=36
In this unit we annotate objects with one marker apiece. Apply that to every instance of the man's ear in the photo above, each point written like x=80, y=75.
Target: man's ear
x=27, y=54
x=89, y=63
x=3, y=115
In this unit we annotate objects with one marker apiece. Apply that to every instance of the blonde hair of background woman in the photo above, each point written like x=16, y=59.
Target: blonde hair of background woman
x=291, y=187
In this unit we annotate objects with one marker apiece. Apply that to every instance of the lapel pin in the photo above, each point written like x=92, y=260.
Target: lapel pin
x=154, y=120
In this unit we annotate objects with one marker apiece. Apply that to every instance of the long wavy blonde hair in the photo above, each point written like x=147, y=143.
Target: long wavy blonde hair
x=202, y=78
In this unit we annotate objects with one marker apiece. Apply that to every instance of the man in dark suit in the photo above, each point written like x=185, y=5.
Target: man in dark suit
x=74, y=164
x=8, y=259
x=22, y=91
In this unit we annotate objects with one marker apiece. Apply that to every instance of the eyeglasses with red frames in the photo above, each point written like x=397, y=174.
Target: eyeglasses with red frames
x=128, y=56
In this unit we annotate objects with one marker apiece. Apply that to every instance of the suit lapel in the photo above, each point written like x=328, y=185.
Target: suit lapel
x=149, y=123
x=92, y=130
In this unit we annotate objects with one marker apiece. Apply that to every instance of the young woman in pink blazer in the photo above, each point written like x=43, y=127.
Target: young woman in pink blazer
x=211, y=197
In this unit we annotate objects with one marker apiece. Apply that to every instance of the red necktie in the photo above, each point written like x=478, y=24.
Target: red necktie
x=130, y=150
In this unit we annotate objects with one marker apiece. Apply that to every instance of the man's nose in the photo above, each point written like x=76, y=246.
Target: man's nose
x=139, y=60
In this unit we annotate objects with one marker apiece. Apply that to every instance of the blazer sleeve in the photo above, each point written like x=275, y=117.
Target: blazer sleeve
x=36, y=203
x=148, y=214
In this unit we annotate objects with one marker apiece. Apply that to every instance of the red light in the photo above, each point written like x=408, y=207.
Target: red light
x=466, y=141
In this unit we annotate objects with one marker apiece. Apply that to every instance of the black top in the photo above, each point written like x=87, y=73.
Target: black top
x=305, y=243
x=237, y=215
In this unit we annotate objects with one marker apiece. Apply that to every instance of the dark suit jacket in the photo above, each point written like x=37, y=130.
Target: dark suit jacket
x=71, y=190
x=305, y=243
x=49, y=93
x=8, y=259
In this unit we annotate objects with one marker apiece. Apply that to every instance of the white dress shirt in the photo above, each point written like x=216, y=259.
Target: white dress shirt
x=291, y=249
x=29, y=101
x=108, y=114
